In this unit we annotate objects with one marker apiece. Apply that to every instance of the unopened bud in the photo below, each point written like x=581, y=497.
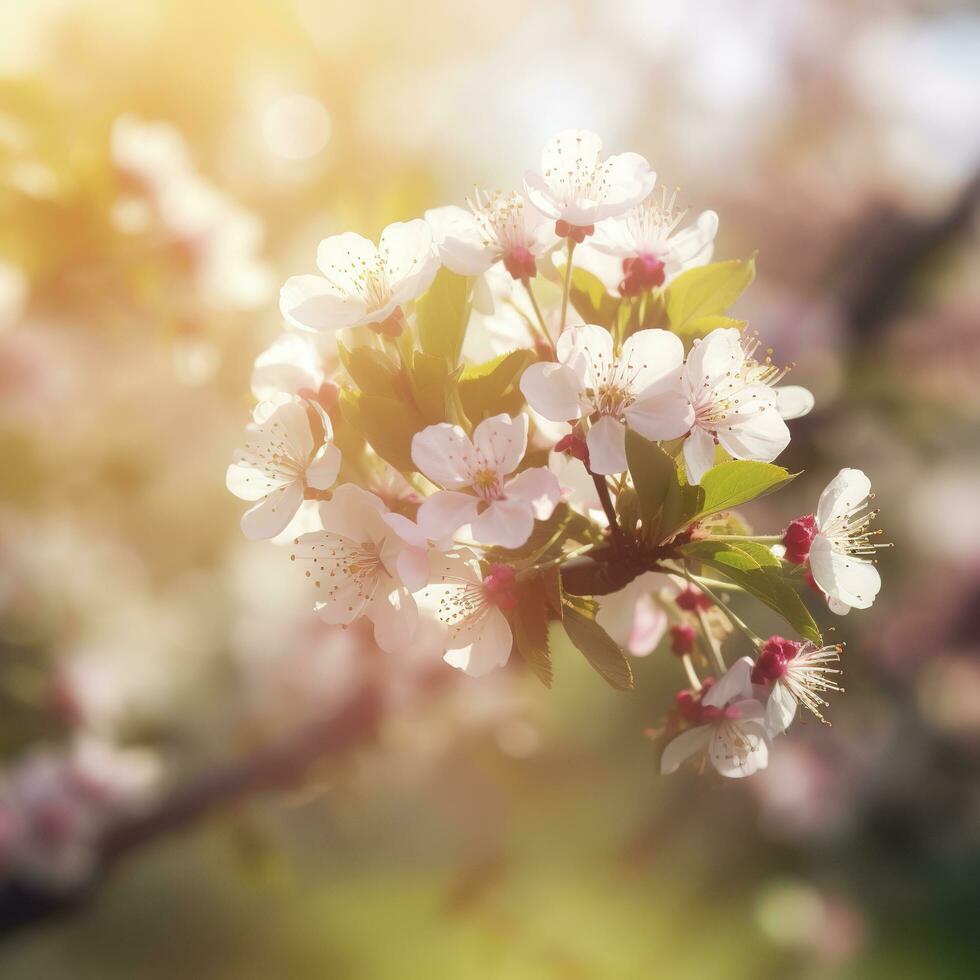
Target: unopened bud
x=692, y=599
x=681, y=639
x=774, y=654
x=798, y=538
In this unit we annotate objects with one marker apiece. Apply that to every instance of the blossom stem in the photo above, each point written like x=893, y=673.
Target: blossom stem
x=692, y=674
x=602, y=489
x=537, y=312
x=567, y=289
x=753, y=637
x=713, y=645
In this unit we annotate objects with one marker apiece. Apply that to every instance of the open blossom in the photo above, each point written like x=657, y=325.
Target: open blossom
x=354, y=567
x=651, y=248
x=792, y=401
x=576, y=188
x=800, y=673
x=719, y=404
x=470, y=608
x=495, y=228
x=615, y=392
x=474, y=473
x=278, y=463
x=731, y=728
x=842, y=547
x=360, y=282
x=293, y=364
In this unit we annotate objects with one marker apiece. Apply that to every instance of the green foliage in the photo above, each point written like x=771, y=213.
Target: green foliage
x=697, y=300
x=371, y=369
x=441, y=316
x=388, y=424
x=494, y=386
x=666, y=504
x=594, y=643
x=530, y=622
x=737, y=482
x=754, y=567
x=589, y=297
x=431, y=384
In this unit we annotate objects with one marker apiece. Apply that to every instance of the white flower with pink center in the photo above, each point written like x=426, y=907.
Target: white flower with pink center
x=651, y=248
x=495, y=228
x=576, y=187
x=280, y=461
x=719, y=405
x=638, y=389
x=842, y=549
x=353, y=566
x=470, y=607
x=479, y=490
x=732, y=729
x=363, y=283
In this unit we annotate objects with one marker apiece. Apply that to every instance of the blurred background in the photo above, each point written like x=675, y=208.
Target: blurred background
x=475, y=828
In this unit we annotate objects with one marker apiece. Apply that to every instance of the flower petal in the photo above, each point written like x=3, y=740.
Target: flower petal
x=552, y=390
x=505, y=523
x=627, y=180
x=843, y=577
x=588, y=351
x=607, y=445
x=664, y=414
x=649, y=356
x=780, y=709
x=843, y=495
x=715, y=359
x=322, y=472
x=445, y=455
x=394, y=614
x=268, y=517
x=538, y=487
x=739, y=749
x=734, y=685
x=410, y=258
x=445, y=512
x=681, y=748
x=500, y=442
x=490, y=648
x=649, y=626
x=699, y=454
x=793, y=401
x=412, y=565
x=312, y=303
x=761, y=435
x=460, y=240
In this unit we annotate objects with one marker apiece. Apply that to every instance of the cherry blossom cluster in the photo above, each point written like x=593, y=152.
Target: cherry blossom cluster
x=582, y=479
x=56, y=805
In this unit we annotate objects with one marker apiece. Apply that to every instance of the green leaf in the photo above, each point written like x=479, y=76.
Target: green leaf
x=370, y=369
x=594, y=643
x=530, y=622
x=754, y=567
x=708, y=290
x=494, y=387
x=703, y=325
x=737, y=482
x=389, y=424
x=441, y=315
x=665, y=503
x=589, y=297
x=431, y=386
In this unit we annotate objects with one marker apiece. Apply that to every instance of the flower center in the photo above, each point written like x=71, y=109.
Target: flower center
x=486, y=483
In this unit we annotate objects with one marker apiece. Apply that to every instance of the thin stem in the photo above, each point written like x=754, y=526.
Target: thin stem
x=692, y=674
x=717, y=583
x=713, y=645
x=544, y=335
x=754, y=638
x=566, y=291
x=602, y=488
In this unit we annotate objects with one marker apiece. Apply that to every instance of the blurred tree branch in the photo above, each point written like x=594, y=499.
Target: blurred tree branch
x=277, y=767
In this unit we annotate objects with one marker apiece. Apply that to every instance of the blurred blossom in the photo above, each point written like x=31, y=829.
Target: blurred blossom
x=296, y=127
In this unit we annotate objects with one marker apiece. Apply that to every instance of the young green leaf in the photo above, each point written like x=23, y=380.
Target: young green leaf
x=590, y=299
x=441, y=315
x=665, y=503
x=708, y=290
x=371, y=370
x=530, y=622
x=494, y=387
x=737, y=482
x=594, y=643
x=754, y=567
x=431, y=380
x=389, y=424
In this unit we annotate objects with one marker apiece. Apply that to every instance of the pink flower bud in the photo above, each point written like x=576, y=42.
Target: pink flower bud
x=681, y=639
x=692, y=599
x=573, y=445
x=798, y=538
